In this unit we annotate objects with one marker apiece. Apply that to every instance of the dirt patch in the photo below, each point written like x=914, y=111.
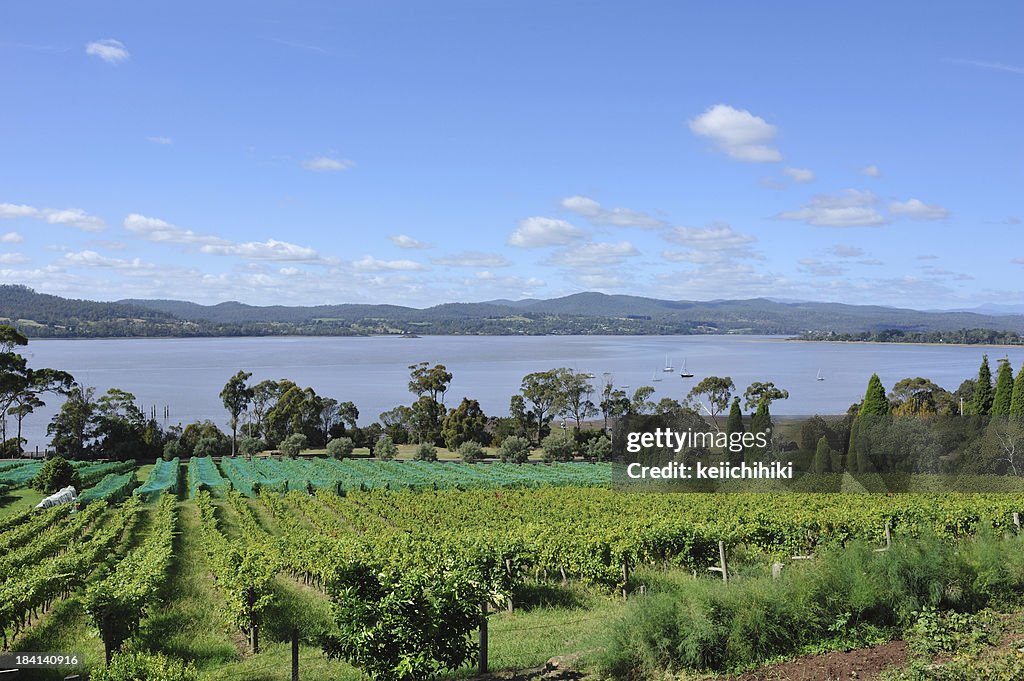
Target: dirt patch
x=862, y=663
x=556, y=669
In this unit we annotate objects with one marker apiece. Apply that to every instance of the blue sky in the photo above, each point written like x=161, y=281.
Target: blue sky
x=417, y=153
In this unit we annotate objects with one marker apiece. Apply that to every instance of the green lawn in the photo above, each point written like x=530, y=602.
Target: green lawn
x=18, y=500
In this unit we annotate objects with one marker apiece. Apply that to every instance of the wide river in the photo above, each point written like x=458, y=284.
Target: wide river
x=187, y=375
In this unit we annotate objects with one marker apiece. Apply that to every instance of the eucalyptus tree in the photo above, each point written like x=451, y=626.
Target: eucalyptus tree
x=236, y=396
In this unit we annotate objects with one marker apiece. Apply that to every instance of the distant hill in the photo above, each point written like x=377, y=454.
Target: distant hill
x=44, y=315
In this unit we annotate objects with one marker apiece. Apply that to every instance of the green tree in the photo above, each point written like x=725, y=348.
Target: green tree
x=1017, y=402
x=872, y=410
x=758, y=392
x=398, y=423
x=73, y=428
x=875, y=402
x=712, y=395
x=734, y=424
x=427, y=418
x=981, y=404
x=1003, y=398
x=464, y=423
x=514, y=450
x=236, y=396
x=761, y=422
x=56, y=474
x=641, y=401
x=576, y=392
x=340, y=447
x=823, y=457
x=120, y=427
x=385, y=449
x=208, y=446
x=429, y=380
x=264, y=396
x=917, y=396
x=543, y=391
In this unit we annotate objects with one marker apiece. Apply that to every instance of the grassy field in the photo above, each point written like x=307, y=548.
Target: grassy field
x=18, y=500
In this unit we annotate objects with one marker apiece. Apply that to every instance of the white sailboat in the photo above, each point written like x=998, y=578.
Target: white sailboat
x=684, y=373
x=654, y=376
x=668, y=365
x=820, y=377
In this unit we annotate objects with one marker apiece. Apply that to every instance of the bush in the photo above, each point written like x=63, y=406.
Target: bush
x=173, y=450
x=145, y=666
x=557, y=447
x=250, y=446
x=56, y=474
x=207, y=446
x=514, y=449
x=426, y=452
x=385, y=449
x=340, y=447
x=599, y=449
x=293, y=444
x=471, y=452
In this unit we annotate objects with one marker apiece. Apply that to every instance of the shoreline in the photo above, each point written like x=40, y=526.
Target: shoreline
x=920, y=343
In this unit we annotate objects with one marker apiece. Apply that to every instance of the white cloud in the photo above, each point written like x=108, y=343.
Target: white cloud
x=491, y=279
x=326, y=164
x=472, y=259
x=717, y=237
x=271, y=249
x=403, y=241
x=872, y=171
x=371, y=264
x=841, y=251
x=928, y=257
x=536, y=232
x=616, y=217
x=17, y=210
x=74, y=217
x=110, y=51
x=11, y=238
x=155, y=229
x=737, y=132
x=595, y=255
x=157, y=139
x=852, y=208
x=801, y=175
x=1018, y=261
x=13, y=259
x=918, y=210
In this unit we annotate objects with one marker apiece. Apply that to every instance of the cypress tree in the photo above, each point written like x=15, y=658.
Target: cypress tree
x=875, y=406
x=981, y=405
x=761, y=422
x=823, y=457
x=734, y=425
x=1004, y=390
x=1017, y=403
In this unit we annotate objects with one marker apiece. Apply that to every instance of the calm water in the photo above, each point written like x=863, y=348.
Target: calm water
x=187, y=375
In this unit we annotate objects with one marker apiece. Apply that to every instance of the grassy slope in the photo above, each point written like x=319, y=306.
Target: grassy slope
x=18, y=500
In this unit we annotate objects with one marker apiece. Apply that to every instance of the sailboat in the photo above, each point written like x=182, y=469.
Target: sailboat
x=654, y=376
x=684, y=373
x=820, y=377
x=668, y=365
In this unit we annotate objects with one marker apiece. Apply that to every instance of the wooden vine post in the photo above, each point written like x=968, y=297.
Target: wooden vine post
x=723, y=567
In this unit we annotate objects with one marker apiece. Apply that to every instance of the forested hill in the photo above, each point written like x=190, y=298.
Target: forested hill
x=42, y=315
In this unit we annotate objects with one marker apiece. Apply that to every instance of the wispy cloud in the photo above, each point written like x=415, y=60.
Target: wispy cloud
x=851, y=208
x=404, y=241
x=990, y=65
x=596, y=214
x=299, y=46
x=801, y=175
x=11, y=238
x=325, y=164
x=872, y=171
x=472, y=259
x=109, y=50
x=371, y=264
x=71, y=217
x=157, y=139
x=918, y=210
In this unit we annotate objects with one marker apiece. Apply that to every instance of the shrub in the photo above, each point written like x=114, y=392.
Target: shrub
x=514, y=449
x=250, y=446
x=173, y=450
x=56, y=474
x=208, y=446
x=132, y=665
x=426, y=452
x=293, y=444
x=385, y=449
x=471, y=452
x=599, y=449
x=340, y=447
x=557, y=447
